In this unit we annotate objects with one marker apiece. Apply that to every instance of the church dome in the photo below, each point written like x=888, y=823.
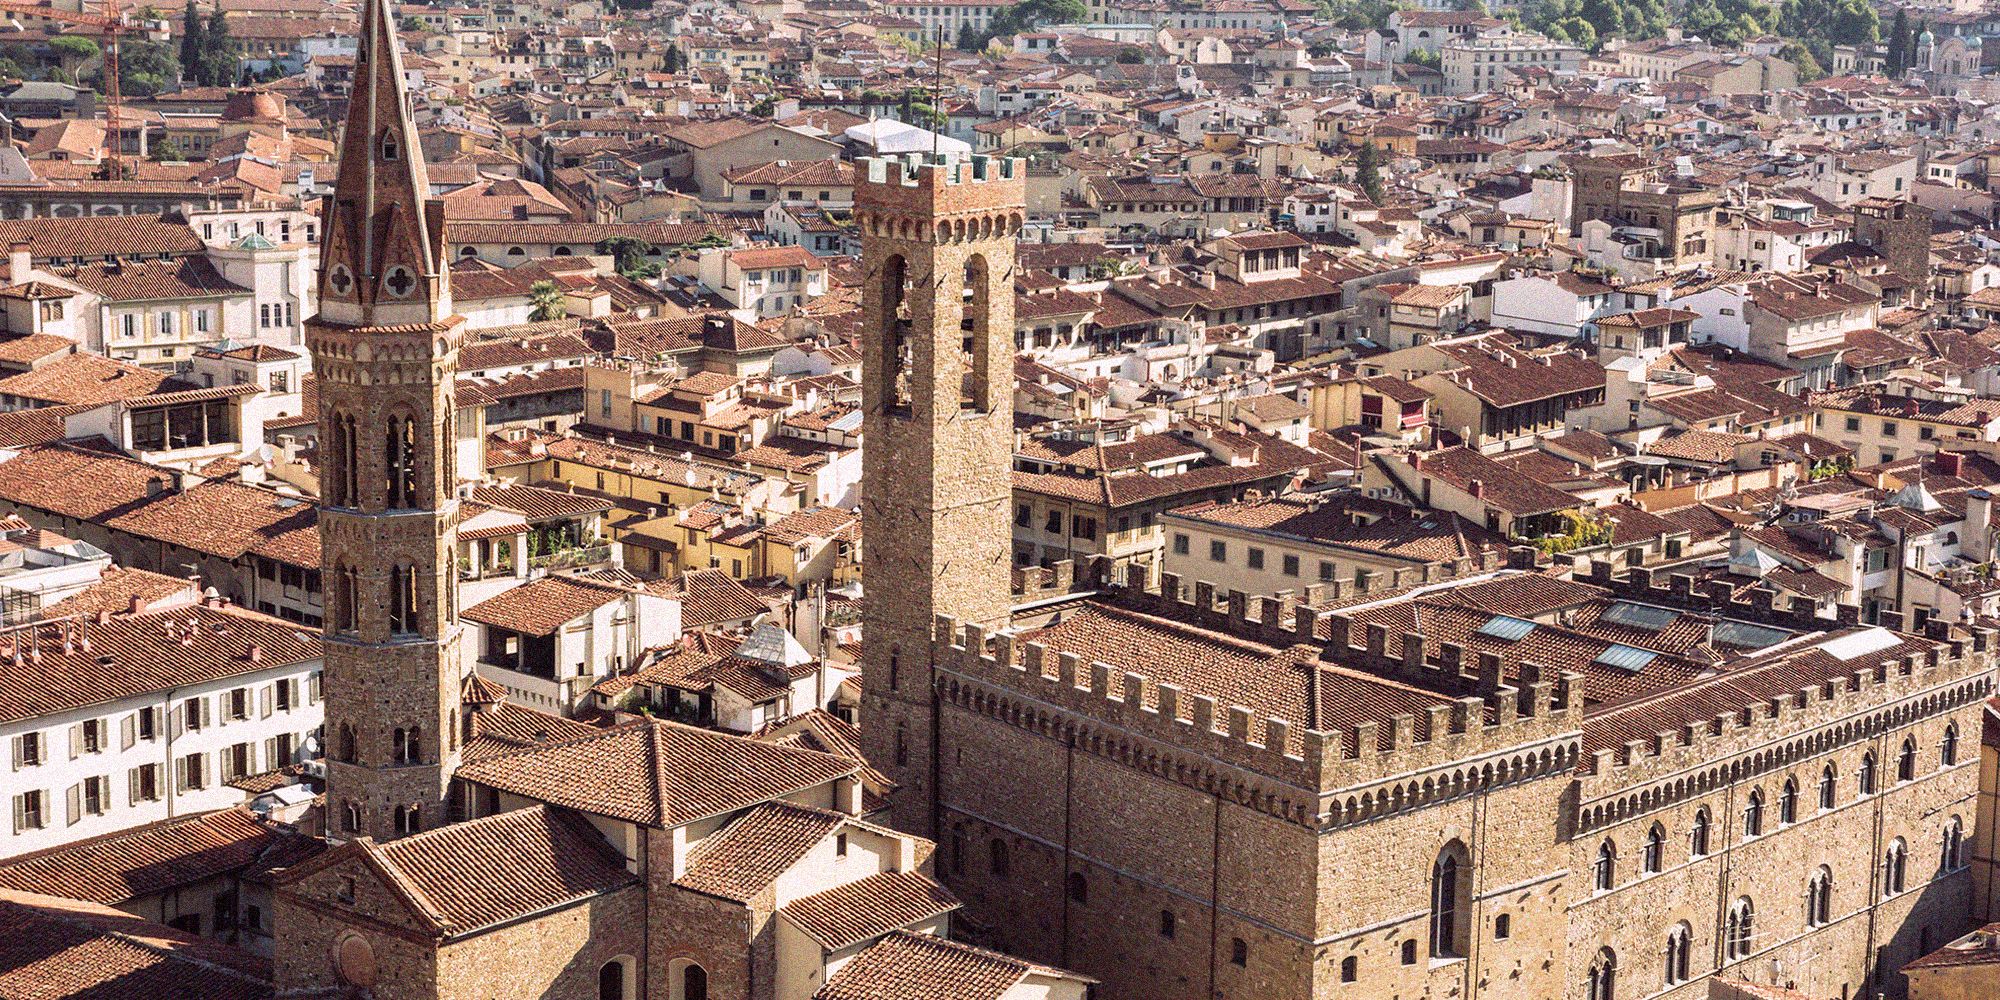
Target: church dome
x=1927, y=38
x=254, y=106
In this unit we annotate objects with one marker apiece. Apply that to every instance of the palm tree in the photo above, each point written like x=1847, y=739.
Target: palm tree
x=545, y=302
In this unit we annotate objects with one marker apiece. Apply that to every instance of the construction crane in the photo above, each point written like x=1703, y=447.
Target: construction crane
x=112, y=24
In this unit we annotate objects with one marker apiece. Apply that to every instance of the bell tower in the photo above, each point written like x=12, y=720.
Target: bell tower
x=385, y=350
x=937, y=390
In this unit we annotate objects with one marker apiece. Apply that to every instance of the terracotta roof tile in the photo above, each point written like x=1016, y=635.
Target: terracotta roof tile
x=741, y=859
x=51, y=947
x=907, y=966
x=158, y=857
x=869, y=907
x=486, y=871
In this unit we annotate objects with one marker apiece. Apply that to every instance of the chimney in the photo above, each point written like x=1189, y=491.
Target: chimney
x=136, y=606
x=20, y=262
x=255, y=654
x=1477, y=488
x=1950, y=463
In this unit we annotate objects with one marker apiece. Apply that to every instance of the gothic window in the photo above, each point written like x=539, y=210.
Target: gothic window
x=1079, y=889
x=694, y=983
x=1788, y=802
x=1753, y=814
x=403, y=600
x=409, y=746
x=1828, y=791
x=1906, y=760
x=611, y=980
x=345, y=751
x=1952, y=858
x=902, y=745
x=1656, y=849
x=407, y=820
x=1864, y=782
x=1819, y=897
x=899, y=340
x=1895, y=866
x=1605, y=874
x=1948, y=751
x=1680, y=941
x=346, y=599
x=1603, y=980
x=400, y=463
x=895, y=670
x=1350, y=969
x=996, y=855
x=389, y=148
x=1698, y=836
x=1167, y=924
x=1740, y=929
x=976, y=308
x=350, y=817
x=1450, y=902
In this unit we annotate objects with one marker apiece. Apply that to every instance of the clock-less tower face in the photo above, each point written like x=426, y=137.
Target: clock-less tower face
x=385, y=352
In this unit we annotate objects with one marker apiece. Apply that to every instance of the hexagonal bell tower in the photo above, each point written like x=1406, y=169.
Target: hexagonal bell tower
x=385, y=350
x=937, y=243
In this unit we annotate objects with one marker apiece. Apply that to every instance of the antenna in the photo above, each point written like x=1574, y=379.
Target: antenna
x=937, y=92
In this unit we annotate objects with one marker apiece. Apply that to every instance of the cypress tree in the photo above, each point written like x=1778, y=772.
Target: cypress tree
x=191, y=43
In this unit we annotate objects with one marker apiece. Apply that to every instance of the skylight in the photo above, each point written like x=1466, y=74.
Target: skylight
x=1639, y=616
x=1625, y=657
x=1859, y=644
x=1505, y=628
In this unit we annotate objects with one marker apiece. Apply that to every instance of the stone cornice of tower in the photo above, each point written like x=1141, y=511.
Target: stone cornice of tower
x=383, y=258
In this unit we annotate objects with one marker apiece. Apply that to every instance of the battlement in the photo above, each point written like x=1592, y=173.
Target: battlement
x=921, y=185
x=1616, y=781
x=1718, y=597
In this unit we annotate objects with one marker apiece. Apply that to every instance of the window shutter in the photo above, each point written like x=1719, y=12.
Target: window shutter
x=17, y=742
x=132, y=787
x=271, y=760
x=180, y=775
x=264, y=697
x=20, y=813
x=76, y=741
x=207, y=713
x=174, y=722
x=74, y=803
x=314, y=694
x=128, y=732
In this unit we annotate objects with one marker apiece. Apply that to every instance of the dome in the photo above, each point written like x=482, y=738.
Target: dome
x=1927, y=38
x=1975, y=41
x=254, y=106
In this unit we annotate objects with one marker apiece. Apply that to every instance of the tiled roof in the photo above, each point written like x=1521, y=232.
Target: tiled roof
x=180, y=278
x=100, y=236
x=738, y=861
x=471, y=875
x=146, y=653
x=907, y=966
x=86, y=379
x=537, y=503
x=712, y=597
x=869, y=907
x=657, y=773
x=66, y=948
x=157, y=857
x=540, y=607
x=1396, y=531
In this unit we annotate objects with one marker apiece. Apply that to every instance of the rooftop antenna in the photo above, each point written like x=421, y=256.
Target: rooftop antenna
x=937, y=85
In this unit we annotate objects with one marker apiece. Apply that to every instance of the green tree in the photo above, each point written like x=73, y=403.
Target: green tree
x=1368, y=171
x=630, y=255
x=1899, y=43
x=192, y=43
x=1796, y=53
x=673, y=59
x=1131, y=55
x=545, y=302
x=413, y=23
x=1425, y=57
x=10, y=70
x=73, y=50
x=216, y=65
x=1031, y=14
x=166, y=151
x=765, y=108
x=1360, y=15
x=145, y=67
x=1728, y=22
x=1829, y=22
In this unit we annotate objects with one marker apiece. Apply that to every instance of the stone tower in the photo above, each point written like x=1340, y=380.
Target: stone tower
x=937, y=398
x=385, y=349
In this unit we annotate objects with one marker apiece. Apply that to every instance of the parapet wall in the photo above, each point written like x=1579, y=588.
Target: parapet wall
x=923, y=186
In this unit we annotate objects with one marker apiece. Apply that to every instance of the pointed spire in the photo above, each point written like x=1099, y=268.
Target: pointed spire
x=383, y=258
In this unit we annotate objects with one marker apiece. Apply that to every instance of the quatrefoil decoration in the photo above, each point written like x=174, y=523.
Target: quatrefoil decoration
x=399, y=281
x=340, y=279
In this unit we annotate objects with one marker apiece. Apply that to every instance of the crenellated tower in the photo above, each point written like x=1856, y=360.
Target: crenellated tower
x=937, y=243
x=385, y=350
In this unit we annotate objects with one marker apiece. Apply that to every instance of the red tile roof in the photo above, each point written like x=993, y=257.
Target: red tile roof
x=51, y=947
x=870, y=907
x=158, y=857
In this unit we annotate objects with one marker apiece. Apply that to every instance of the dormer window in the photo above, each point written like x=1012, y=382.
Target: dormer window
x=388, y=146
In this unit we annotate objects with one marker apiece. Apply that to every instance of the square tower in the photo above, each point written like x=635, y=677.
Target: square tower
x=937, y=252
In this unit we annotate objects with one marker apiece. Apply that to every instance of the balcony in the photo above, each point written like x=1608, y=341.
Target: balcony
x=571, y=558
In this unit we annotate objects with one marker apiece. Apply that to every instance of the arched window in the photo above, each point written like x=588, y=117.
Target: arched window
x=902, y=745
x=996, y=857
x=1740, y=929
x=1788, y=802
x=517, y=252
x=1605, y=875
x=694, y=983
x=1753, y=814
x=958, y=850
x=1079, y=889
x=396, y=747
x=1656, y=850
x=1948, y=750
x=1680, y=941
x=1350, y=969
x=1828, y=790
x=1698, y=835
x=1450, y=902
x=1895, y=866
x=1503, y=927
x=895, y=670
x=389, y=147
x=1239, y=951
x=400, y=463
x=350, y=818
x=1864, y=782
x=976, y=308
x=345, y=751
x=1603, y=981
x=1819, y=897
x=403, y=600
x=898, y=362
x=1906, y=760
x=346, y=599
x=611, y=980
x=1167, y=924
x=407, y=820
x=1952, y=858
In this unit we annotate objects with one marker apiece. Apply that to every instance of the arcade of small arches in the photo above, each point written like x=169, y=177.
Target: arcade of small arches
x=1464, y=780
x=960, y=229
x=1777, y=758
